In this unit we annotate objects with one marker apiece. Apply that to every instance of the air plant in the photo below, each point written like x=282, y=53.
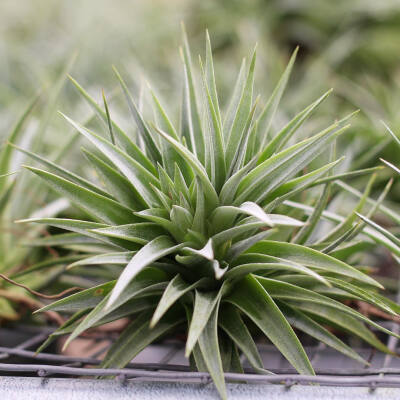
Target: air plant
x=22, y=196
x=384, y=235
x=13, y=256
x=198, y=227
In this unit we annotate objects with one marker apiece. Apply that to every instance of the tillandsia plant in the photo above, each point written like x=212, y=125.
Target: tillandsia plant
x=370, y=140
x=386, y=236
x=13, y=255
x=21, y=196
x=197, y=220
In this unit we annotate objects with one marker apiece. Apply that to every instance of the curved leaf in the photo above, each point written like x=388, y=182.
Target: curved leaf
x=209, y=347
x=204, y=304
x=262, y=310
x=141, y=233
x=100, y=207
x=136, y=337
x=152, y=251
x=284, y=290
x=231, y=322
x=139, y=176
x=310, y=258
x=304, y=323
x=175, y=289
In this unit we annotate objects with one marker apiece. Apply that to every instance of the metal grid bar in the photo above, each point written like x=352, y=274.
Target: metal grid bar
x=56, y=358
x=87, y=361
x=25, y=345
x=163, y=371
x=372, y=381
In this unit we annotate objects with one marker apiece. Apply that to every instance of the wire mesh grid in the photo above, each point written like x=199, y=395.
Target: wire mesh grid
x=383, y=371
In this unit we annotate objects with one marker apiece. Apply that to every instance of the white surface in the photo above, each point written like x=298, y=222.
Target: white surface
x=12, y=388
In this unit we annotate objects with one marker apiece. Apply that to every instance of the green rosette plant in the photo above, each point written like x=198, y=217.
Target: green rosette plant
x=15, y=256
x=197, y=228
x=384, y=235
x=22, y=195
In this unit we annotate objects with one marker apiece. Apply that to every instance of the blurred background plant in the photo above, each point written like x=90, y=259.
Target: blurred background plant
x=21, y=254
x=19, y=198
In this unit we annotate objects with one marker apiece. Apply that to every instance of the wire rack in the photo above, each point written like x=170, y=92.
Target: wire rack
x=165, y=368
